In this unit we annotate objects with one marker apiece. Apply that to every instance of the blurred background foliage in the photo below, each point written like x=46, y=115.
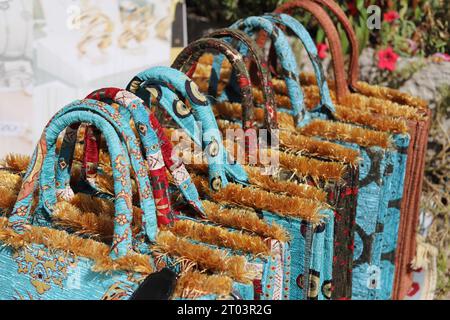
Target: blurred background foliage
x=421, y=29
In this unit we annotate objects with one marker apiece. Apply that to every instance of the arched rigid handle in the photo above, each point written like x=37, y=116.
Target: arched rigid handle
x=353, y=72
x=287, y=59
x=41, y=171
x=121, y=123
x=159, y=82
x=158, y=151
x=188, y=58
x=326, y=104
x=129, y=103
x=259, y=75
x=332, y=35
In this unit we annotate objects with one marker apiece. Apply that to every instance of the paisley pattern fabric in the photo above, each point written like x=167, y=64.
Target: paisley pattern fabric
x=129, y=103
x=311, y=251
x=42, y=168
x=296, y=244
x=37, y=273
x=130, y=143
x=391, y=219
x=33, y=271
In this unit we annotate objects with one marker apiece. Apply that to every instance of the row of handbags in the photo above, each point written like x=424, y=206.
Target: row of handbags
x=323, y=226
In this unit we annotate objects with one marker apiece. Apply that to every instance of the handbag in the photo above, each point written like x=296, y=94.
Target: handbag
x=184, y=62
x=93, y=226
x=149, y=131
x=342, y=196
x=196, y=226
x=242, y=196
x=389, y=242
x=367, y=277
x=268, y=270
x=418, y=121
x=41, y=262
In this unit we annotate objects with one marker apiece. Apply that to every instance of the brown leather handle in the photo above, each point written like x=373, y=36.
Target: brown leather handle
x=332, y=35
x=353, y=71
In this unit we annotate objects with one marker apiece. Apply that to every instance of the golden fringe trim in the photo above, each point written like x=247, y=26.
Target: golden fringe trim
x=303, y=166
x=316, y=148
x=221, y=237
x=378, y=99
x=381, y=123
x=356, y=100
x=206, y=258
x=7, y=199
x=10, y=180
x=16, y=162
x=89, y=203
x=60, y=240
x=296, y=141
x=379, y=92
x=99, y=227
x=92, y=216
x=364, y=115
x=288, y=187
x=393, y=95
x=10, y=184
x=270, y=184
x=244, y=219
x=194, y=284
x=256, y=198
x=345, y=132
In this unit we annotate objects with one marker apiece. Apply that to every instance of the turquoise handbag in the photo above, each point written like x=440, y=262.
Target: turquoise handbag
x=169, y=100
x=121, y=124
x=156, y=156
x=345, y=202
x=40, y=262
x=390, y=165
x=317, y=284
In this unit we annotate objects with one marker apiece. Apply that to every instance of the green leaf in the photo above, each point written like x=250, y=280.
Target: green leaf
x=320, y=36
x=360, y=5
x=344, y=40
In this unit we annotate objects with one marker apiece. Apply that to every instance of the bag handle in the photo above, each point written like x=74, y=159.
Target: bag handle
x=41, y=172
x=158, y=151
x=332, y=35
x=156, y=81
x=291, y=74
x=188, y=59
x=353, y=72
x=120, y=122
x=326, y=104
x=259, y=72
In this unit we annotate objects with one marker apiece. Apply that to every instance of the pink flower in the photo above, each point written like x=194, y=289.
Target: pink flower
x=391, y=16
x=439, y=57
x=322, y=49
x=387, y=59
